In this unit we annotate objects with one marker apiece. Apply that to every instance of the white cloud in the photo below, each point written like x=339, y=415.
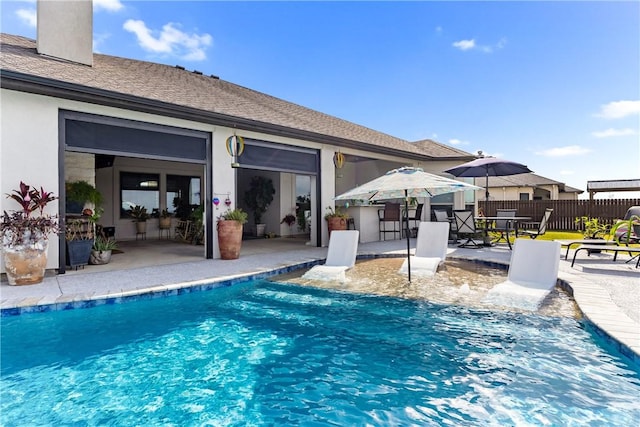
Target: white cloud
x=465, y=44
x=108, y=5
x=570, y=150
x=618, y=109
x=438, y=30
x=170, y=41
x=28, y=17
x=611, y=132
x=471, y=45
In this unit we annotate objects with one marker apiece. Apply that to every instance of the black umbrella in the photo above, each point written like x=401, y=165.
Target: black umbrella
x=488, y=166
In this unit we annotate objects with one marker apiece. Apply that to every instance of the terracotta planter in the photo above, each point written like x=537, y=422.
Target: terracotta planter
x=100, y=257
x=229, y=238
x=25, y=264
x=336, y=224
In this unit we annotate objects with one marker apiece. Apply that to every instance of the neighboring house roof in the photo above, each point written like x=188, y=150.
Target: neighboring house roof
x=525, y=180
x=436, y=149
x=176, y=92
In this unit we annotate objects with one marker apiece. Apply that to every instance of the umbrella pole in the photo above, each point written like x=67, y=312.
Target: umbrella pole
x=406, y=221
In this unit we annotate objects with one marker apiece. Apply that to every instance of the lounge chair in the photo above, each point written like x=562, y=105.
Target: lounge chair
x=431, y=249
x=341, y=256
x=533, y=272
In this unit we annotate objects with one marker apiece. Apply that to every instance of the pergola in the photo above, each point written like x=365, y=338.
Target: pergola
x=594, y=187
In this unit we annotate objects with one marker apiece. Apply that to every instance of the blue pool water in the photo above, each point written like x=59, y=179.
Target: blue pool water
x=274, y=354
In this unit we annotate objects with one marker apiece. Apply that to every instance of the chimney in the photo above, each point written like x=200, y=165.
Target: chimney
x=65, y=30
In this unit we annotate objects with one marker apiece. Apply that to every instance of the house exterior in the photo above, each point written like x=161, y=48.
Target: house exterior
x=153, y=134
x=526, y=186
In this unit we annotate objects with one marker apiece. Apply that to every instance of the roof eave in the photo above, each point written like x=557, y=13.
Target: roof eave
x=28, y=83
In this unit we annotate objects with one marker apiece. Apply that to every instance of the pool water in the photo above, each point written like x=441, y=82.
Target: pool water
x=266, y=353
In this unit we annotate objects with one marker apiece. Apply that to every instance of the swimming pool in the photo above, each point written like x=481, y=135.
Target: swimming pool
x=266, y=353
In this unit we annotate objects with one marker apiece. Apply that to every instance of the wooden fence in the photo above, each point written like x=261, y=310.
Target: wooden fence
x=565, y=212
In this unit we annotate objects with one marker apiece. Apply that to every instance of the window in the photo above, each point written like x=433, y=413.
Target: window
x=139, y=189
x=524, y=196
x=183, y=194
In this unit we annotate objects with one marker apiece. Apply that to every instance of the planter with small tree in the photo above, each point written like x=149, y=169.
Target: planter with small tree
x=258, y=198
x=230, y=226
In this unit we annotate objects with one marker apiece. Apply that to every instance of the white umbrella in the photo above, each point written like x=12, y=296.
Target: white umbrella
x=404, y=183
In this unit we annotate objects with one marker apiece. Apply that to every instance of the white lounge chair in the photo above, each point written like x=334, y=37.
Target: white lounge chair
x=533, y=272
x=341, y=256
x=431, y=249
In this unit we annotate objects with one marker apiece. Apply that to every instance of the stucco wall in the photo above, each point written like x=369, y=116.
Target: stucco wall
x=29, y=152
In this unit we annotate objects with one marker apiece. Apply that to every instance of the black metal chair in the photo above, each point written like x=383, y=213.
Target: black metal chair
x=443, y=216
x=390, y=214
x=501, y=227
x=541, y=226
x=466, y=228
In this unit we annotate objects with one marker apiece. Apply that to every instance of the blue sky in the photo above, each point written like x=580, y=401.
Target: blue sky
x=554, y=85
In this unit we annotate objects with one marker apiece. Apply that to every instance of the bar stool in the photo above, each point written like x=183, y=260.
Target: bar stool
x=390, y=214
x=351, y=224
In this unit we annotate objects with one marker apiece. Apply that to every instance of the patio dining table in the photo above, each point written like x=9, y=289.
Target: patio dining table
x=511, y=224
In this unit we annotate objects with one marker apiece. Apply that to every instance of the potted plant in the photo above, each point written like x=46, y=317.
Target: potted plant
x=593, y=229
x=230, y=226
x=78, y=194
x=102, y=250
x=140, y=217
x=336, y=219
x=25, y=236
x=289, y=219
x=164, y=221
x=258, y=198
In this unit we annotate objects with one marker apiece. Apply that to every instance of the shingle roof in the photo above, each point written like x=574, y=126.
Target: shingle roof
x=437, y=149
x=179, y=87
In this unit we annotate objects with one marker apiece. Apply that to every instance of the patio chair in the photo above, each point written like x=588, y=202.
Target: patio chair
x=390, y=214
x=533, y=272
x=341, y=256
x=466, y=228
x=501, y=227
x=416, y=217
x=541, y=226
x=442, y=216
x=431, y=249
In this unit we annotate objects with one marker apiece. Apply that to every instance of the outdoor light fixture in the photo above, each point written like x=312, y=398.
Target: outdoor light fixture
x=338, y=159
x=235, y=148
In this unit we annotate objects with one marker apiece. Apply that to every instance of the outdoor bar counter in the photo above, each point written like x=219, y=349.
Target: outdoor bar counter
x=366, y=221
